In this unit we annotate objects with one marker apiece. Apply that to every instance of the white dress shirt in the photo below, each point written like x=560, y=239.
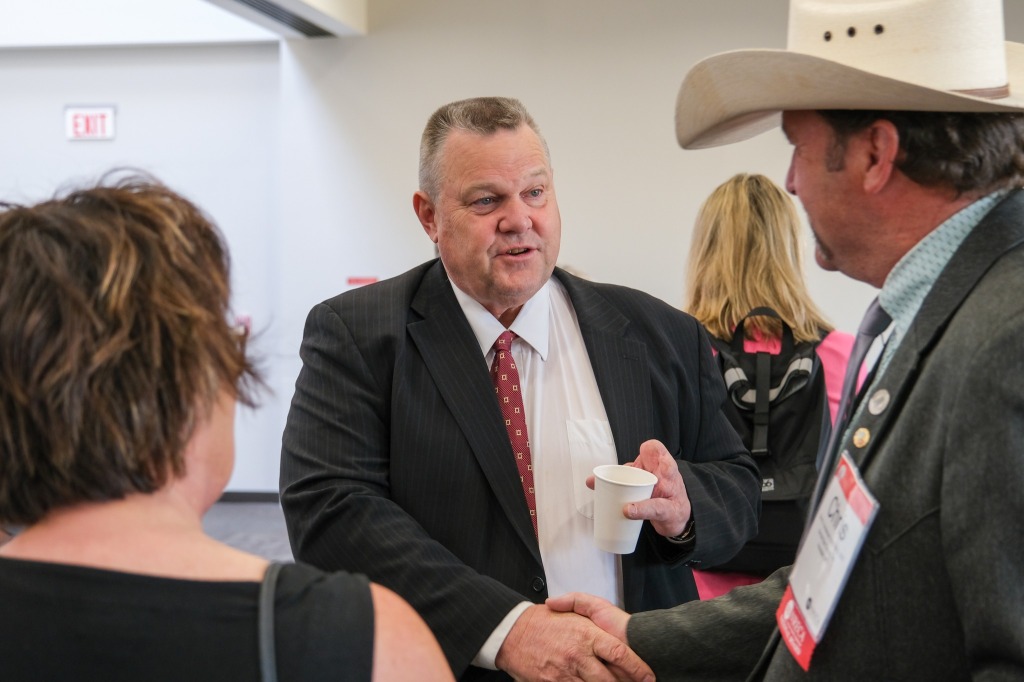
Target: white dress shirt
x=569, y=435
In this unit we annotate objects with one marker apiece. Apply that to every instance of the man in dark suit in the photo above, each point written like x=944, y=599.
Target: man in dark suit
x=927, y=206
x=397, y=460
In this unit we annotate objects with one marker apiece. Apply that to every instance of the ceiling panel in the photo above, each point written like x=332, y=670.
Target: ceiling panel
x=77, y=23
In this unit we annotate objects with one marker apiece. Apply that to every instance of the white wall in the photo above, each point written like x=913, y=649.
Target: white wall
x=202, y=119
x=306, y=155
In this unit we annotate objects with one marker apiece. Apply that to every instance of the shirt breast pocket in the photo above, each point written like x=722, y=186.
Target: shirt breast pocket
x=590, y=445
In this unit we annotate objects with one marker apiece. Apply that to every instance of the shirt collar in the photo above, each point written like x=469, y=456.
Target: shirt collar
x=532, y=324
x=910, y=280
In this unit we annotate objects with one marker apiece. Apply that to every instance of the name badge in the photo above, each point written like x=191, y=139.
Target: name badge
x=825, y=560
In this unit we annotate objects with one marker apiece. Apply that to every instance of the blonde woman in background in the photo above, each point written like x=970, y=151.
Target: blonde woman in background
x=746, y=253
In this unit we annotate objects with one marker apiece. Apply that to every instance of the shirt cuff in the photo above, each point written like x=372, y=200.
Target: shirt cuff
x=489, y=651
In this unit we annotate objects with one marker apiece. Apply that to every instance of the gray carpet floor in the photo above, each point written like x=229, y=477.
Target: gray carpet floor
x=255, y=527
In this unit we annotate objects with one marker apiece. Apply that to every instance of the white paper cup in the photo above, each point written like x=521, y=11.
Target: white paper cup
x=615, y=485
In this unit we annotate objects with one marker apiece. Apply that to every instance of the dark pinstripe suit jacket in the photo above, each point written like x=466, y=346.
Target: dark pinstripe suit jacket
x=937, y=592
x=396, y=463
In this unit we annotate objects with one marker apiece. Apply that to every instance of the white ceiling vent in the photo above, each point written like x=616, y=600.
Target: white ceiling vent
x=303, y=18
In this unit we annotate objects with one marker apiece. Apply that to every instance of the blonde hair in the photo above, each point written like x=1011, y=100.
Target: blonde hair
x=746, y=253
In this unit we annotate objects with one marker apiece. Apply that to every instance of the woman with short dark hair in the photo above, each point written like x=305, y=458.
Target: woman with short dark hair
x=120, y=367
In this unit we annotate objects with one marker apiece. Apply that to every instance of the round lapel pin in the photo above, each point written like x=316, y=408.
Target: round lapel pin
x=879, y=401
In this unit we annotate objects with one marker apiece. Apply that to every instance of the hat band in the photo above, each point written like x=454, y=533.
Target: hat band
x=1000, y=92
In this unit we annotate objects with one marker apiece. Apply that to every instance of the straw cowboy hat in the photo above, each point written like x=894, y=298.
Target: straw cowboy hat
x=909, y=55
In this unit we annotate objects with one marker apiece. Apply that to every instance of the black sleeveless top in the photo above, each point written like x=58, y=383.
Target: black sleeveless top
x=63, y=622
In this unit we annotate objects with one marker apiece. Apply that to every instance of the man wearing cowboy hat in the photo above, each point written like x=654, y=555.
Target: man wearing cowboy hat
x=906, y=122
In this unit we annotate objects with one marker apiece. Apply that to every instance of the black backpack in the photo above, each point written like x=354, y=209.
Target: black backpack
x=779, y=406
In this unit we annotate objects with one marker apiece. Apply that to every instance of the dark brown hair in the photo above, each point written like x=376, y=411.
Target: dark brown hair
x=972, y=153
x=114, y=343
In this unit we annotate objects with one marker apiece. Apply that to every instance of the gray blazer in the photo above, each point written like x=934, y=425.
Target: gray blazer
x=938, y=590
x=396, y=462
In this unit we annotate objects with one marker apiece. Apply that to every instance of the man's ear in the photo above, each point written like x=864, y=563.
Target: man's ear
x=424, y=208
x=883, y=144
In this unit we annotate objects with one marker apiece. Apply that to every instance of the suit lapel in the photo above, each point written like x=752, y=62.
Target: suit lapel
x=998, y=232
x=620, y=366
x=623, y=379
x=452, y=356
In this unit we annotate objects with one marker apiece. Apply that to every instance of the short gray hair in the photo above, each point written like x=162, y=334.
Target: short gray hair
x=481, y=115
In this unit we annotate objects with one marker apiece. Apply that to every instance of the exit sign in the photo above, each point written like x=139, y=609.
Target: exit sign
x=89, y=123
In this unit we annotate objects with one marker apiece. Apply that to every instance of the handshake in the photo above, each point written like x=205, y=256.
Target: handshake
x=572, y=637
x=579, y=636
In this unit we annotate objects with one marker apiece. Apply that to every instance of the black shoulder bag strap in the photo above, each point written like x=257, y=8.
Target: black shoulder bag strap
x=268, y=659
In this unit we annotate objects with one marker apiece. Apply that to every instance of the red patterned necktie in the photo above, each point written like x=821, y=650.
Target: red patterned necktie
x=510, y=399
